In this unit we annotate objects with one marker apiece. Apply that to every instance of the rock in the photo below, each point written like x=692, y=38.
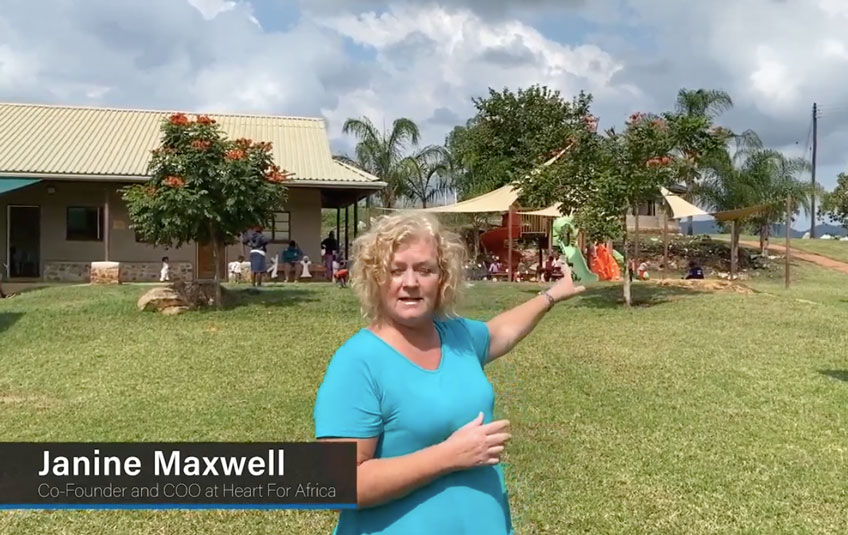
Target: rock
x=105, y=273
x=173, y=311
x=160, y=299
x=182, y=296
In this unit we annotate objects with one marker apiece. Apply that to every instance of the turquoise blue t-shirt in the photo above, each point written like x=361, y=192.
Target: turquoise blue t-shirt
x=372, y=390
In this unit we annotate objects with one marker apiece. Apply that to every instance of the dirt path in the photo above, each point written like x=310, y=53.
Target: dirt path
x=820, y=260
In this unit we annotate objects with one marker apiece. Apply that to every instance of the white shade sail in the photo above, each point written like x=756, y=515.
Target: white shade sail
x=499, y=200
x=550, y=211
x=679, y=207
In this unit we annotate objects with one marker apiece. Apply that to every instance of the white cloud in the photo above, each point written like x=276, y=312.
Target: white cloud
x=212, y=8
x=434, y=58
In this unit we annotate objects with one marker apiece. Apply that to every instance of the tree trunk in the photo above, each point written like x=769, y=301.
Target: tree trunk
x=734, y=248
x=627, y=296
x=636, y=249
x=665, y=244
x=218, y=299
x=766, y=234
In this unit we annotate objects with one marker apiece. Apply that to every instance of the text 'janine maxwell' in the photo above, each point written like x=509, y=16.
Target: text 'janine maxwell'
x=173, y=464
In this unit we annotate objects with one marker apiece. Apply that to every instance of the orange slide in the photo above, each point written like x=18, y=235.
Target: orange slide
x=604, y=264
x=496, y=241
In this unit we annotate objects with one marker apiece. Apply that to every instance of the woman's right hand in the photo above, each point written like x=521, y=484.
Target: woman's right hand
x=477, y=444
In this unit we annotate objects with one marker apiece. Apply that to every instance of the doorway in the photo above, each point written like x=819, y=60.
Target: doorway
x=23, y=253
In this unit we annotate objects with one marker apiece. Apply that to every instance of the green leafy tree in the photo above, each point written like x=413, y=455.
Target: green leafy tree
x=835, y=205
x=204, y=188
x=511, y=134
x=425, y=171
x=705, y=105
x=756, y=177
x=382, y=153
x=605, y=176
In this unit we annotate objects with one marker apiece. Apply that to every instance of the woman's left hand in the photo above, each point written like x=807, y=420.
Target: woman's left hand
x=565, y=288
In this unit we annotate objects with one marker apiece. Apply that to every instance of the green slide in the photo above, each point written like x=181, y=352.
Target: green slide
x=564, y=234
x=578, y=264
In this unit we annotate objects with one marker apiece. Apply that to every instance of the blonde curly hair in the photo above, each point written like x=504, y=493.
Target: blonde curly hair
x=373, y=251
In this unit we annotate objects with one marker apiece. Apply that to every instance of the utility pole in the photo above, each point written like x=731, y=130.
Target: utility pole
x=813, y=193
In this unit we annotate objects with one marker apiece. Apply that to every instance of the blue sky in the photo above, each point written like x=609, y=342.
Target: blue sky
x=426, y=60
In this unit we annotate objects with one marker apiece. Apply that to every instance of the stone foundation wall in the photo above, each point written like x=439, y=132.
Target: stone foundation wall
x=67, y=271
x=149, y=271
x=129, y=271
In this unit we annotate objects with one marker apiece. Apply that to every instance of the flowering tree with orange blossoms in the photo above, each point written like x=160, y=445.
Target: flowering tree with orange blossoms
x=603, y=176
x=204, y=187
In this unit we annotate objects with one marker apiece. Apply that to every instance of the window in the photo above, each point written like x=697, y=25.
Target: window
x=84, y=223
x=279, y=227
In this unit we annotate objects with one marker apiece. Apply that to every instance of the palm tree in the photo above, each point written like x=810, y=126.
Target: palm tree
x=381, y=153
x=703, y=102
x=425, y=172
x=707, y=103
x=756, y=177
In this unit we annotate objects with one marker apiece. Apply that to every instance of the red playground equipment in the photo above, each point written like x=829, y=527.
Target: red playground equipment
x=496, y=241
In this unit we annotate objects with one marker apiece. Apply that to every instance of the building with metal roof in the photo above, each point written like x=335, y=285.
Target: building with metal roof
x=61, y=168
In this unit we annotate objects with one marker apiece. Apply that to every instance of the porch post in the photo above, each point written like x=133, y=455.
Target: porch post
x=355, y=218
x=338, y=225
x=106, y=226
x=347, y=230
x=509, y=234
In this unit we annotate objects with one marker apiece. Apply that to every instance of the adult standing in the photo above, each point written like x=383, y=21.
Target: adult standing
x=411, y=389
x=257, y=243
x=330, y=247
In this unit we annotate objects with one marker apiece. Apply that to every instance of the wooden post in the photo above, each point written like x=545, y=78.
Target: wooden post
x=355, y=219
x=550, y=237
x=665, y=244
x=106, y=236
x=509, y=238
x=338, y=225
x=788, y=222
x=733, y=250
x=347, y=231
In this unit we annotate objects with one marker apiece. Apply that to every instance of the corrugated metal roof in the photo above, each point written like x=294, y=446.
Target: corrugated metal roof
x=108, y=142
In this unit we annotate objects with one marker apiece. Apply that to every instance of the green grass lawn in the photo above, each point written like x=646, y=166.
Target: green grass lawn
x=690, y=413
x=838, y=250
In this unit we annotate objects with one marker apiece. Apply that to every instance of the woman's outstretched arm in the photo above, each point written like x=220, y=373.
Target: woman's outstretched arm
x=510, y=327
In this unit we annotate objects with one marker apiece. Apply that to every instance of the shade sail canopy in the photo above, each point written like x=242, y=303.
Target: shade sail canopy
x=499, y=200
x=739, y=213
x=679, y=207
x=11, y=184
x=550, y=211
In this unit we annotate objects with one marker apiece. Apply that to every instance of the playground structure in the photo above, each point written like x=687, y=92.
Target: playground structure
x=604, y=260
x=605, y=263
x=497, y=243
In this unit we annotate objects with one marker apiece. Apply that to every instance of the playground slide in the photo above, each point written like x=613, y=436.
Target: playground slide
x=604, y=264
x=578, y=264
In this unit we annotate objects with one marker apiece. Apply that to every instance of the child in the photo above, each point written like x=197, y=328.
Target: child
x=339, y=274
x=235, y=269
x=642, y=272
x=695, y=271
x=165, y=273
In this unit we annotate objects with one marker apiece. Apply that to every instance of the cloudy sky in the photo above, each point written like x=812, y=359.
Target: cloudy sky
x=426, y=60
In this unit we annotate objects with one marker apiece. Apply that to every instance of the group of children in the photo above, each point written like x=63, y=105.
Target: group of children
x=295, y=266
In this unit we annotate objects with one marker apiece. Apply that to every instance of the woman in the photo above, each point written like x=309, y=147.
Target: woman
x=258, y=244
x=411, y=391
